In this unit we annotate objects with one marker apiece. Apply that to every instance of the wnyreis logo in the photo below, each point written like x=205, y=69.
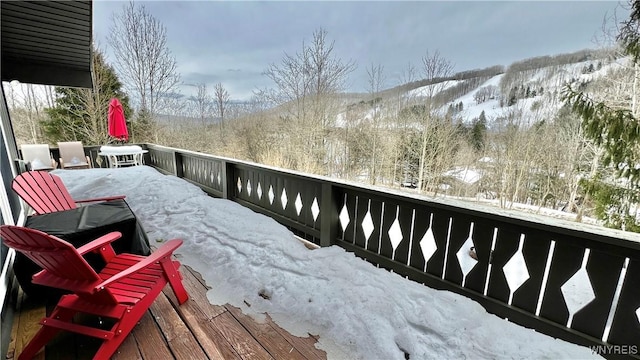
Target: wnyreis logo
x=615, y=349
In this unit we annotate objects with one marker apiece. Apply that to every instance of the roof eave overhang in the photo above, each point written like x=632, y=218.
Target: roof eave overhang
x=46, y=42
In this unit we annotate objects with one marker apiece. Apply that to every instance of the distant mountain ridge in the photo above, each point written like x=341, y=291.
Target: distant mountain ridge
x=531, y=87
x=521, y=65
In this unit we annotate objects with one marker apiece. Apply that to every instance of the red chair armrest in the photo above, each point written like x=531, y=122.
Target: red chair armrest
x=166, y=250
x=108, y=198
x=99, y=242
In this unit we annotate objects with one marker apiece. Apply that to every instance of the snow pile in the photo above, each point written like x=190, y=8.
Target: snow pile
x=359, y=311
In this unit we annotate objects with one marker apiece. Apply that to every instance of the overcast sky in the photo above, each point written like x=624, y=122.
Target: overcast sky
x=234, y=42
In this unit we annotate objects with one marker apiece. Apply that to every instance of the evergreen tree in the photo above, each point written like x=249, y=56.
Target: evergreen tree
x=143, y=128
x=81, y=114
x=617, y=131
x=478, y=132
x=613, y=203
x=482, y=118
x=513, y=98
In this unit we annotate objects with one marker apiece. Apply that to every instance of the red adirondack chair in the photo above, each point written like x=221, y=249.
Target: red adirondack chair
x=46, y=192
x=122, y=291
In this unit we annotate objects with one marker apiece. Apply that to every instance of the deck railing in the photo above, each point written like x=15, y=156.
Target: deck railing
x=567, y=280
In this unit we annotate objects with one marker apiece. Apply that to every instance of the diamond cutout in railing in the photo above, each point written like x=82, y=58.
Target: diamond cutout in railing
x=344, y=218
x=577, y=291
x=428, y=244
x=638, y=314
x=212, y=178
x=395, y=234
x=464, y=255
x=315, y=209
x=367, y=225
x=249, y=187
x=298, y=204
x=283, y=198
x=259, y=191
x=271, y=195
x=219, y=179
x=515, y=271
x=239, y=186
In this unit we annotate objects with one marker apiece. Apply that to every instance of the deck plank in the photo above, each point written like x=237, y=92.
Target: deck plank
x=198, y=293
x=242, y=341
x=31, y=311
x=11, y=348
x=181, y=341
x=128, y=350
x=306, y=345
x=197, y=313
x=151, y=342
x=274, y=343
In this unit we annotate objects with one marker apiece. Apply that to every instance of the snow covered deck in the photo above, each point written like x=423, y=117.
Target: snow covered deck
x=567, y=281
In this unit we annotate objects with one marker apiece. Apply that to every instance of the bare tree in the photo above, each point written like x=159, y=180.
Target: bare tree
x=49, y=96
x=375, y=74
x=33, y=107
x=307, y=84
x=202, y=104
x=26, y=106
x=485, y=93
x=403, y=99
x=434, y=68
x=143, y=60
x=221, y=98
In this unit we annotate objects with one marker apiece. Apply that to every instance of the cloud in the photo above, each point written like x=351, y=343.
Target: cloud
x=234, y=42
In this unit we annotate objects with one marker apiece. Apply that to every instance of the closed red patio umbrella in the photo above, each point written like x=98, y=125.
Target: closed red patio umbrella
x=117, y=123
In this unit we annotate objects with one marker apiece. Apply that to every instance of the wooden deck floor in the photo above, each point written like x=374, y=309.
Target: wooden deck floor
x=195, y=330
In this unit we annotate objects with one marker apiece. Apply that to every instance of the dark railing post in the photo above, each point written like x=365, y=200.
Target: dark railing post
x=177, y=159
x=227, y=180
x=329, y=216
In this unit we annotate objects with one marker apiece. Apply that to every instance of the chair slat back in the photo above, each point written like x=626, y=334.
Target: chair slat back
x=54, y=255
x=72, y=154
x=43, y=191
x=38, y=156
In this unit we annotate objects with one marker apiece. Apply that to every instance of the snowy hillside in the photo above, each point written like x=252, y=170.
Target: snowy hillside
x=538, y=105
x=433, y=89
x=471, y=109
x=529, y=95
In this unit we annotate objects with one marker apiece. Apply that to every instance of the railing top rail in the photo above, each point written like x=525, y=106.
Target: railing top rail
x=587, y=231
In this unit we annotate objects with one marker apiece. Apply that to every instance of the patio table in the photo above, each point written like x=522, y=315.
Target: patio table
x=118, y=156
x=80, y=226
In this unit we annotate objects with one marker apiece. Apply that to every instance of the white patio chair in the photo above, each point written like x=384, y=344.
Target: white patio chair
x=38, y=157
x=72, y=155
